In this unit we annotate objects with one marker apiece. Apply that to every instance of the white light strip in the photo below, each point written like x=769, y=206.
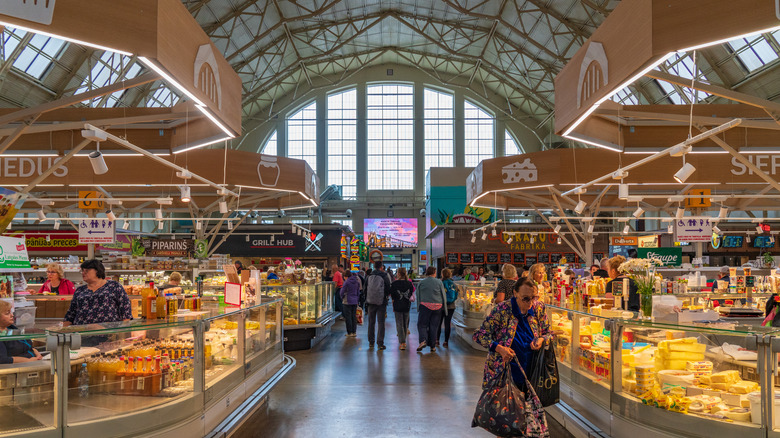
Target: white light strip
x=124, y=153
x=72, y=40
x=725, y=40
x=168, y=78
x=199, y=145
x=594, y=143
x=759, y=150
x=651, y=151
x=31, y=153
x=208, y=114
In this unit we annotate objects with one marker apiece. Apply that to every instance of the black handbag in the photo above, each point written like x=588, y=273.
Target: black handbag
x=506, y=411
x=544, y=375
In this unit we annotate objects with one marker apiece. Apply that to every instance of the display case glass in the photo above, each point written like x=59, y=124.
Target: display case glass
x=473, y=298
x=303, y=303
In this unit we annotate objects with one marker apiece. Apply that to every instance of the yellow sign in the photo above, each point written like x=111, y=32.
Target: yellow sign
x=86, y=201
x=701, y=198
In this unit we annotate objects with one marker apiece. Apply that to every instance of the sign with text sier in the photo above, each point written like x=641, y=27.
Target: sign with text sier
x=693, y=229
x=97, y=230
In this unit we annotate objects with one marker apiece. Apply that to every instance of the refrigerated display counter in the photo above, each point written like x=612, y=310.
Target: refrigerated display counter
x=473, y=303
x=188, y=374
x=308, y=313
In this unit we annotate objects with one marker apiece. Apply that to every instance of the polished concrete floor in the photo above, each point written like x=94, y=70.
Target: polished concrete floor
x=341, y=388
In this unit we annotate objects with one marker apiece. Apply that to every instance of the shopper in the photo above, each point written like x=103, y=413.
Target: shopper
x=56, y=282
x=402, y=293
x=537, y=275
x=593, y=270
x=173, y=281
x=99, y=300
x=433, y=298
x=239, y=266
x=614, y=274
x=507, y=284
x=516, y=327
x=14, y=351
x=452, y=296
x=339, y=280
x=377, y=291
x=350, y=294
x=271, y=275
x=467, y=276
x=603, y=270
x=723, y=275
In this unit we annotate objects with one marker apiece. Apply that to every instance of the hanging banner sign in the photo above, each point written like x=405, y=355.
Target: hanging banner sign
x=97, y=231
x=624, y=241
x=647, y=241
x=10, y=203
x=693, y=229
x=168, y=247
x=668, y=256
x=13, y=254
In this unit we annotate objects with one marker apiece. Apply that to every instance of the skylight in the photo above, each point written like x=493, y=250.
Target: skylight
x=37, y=56
x=755, y=52
x=110, y=68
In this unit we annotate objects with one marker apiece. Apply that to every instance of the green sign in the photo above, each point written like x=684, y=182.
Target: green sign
x=201, y=249
x=669, y=256
x=13, y=254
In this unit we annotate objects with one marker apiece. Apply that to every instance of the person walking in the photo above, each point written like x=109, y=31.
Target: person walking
x=377, y=291
x=433, y=300
x=339, y=280
x=402, y=293
x=452, y=296
x=350, y=294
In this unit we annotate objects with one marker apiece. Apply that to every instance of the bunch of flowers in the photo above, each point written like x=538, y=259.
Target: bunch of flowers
x=642, y=271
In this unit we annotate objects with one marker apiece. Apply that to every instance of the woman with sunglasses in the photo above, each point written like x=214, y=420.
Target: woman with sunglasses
x=56, y=282
x=515, y=328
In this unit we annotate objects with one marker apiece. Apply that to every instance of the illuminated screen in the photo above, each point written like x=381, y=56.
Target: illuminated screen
x=390, y=233
x=732, y=242
x=762, y=242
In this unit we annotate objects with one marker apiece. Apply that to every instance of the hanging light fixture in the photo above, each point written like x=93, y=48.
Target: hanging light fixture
x=670, y=229
x=160, y=225
x=110, y=215
x=293, y=228
x=41, y=215
x=533, y=238
x=230, y=225
x=198, y=225
x=557, y=229
x=56, y=224
x=493, y=231
x=591, y=227
x=684, y=173
x=98, y=162
x=724, y=211
x=626, y=229
x=747, y=238
x=622, y=191
x=580, y=207
x=638, y=212
x=473, y=237
x=48, y=238
x=716, y=229
x=559, y=241
x=509, y=240
x=484, y=235
x=158, y=214
x=247, y=237
x=185, y=193
x=126, y=225
x=223, y=207
x=680, y=213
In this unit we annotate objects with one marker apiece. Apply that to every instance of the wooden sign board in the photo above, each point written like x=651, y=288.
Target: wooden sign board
x=91, y=200
x=701, y=200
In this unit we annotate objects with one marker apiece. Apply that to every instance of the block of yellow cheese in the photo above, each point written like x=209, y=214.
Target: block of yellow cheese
x=743, y=387
x=729, y=376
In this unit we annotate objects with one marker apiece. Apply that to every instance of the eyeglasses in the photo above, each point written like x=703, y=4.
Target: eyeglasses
x=52, y=272
x=529, y=299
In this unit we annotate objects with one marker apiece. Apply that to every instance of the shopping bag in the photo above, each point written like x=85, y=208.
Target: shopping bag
x=544, y=375
x=504, y=410
x=359, y=316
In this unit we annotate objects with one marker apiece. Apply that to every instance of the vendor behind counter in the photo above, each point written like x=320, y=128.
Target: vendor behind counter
x=56, y=282
x=13, y=351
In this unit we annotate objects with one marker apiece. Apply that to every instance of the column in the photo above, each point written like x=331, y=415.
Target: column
x=362, y=141
x=322, y=140
x=460, y=144
x=419, y=138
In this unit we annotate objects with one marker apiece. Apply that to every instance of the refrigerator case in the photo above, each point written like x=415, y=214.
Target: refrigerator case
x=303, y=304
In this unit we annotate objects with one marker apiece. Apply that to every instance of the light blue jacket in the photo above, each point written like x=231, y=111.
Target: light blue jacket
x=431, y=290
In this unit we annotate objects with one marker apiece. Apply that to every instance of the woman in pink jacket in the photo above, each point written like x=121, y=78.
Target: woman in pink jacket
x=56, y=281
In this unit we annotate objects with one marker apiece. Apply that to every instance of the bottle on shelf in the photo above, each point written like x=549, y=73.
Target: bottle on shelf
x=92, y=369
x=84, y=381
x=156, y=377
x=139, y=376
x=166, y=367
x=121, y=375
x=130, y=376
x=148, y=376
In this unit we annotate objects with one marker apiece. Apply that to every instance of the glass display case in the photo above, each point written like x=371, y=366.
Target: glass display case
x=140, y=377
x=473, y=300
x=304, y=304
x=693, y=380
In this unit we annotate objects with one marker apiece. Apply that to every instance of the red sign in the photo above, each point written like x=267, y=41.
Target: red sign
x=64, y=241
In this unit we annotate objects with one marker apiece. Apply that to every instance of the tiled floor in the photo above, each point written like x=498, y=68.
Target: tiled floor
x=341, y=388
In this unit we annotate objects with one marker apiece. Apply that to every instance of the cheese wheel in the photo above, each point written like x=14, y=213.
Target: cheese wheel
x=738, y=414
x=696, y=406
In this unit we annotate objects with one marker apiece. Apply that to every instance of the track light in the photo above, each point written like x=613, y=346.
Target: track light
x=484, y=235
x=580, y=207
x=509, y=240
x=747, y=238
x=48, y=238
x=230, y=225
x=533, y=239
x=493, y=232
x=680, y=213
x=160, y=225
x=622, y=191
x=557, y=229
x=158, y=214
x=626, y=229
x=724, y=211
x=680, y=150
x=185, y=194
x=126, y=225
x=684, y=173
x=759, y=229
x=293, y=228
x=247, y=237
x=716, y=229
x=473, y=237
x=98, y=163
x=198, y=225
x=670, y=229
x=56, y=224
x=41, y=215
x=110, y=215
x=559, y=241
x=638, y=212
x=223, y=207
x=591, y=227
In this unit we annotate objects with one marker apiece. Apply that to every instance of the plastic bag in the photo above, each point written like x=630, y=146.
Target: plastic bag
x=504, y=410
x=544, y=375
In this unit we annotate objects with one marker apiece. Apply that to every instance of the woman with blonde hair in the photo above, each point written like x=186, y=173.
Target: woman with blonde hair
x=56, y=282
x=14, y=351
x=613, y=267
x=536, y=274
x=504, y=288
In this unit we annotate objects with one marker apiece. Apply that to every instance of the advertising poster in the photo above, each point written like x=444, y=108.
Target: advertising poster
x=390, y=232
x=10, y=203
x=13, y=254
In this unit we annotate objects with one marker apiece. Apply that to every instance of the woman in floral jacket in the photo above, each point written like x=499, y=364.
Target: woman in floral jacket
x=515, y=327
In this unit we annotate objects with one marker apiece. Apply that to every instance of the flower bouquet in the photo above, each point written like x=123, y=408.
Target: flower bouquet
x=642, y=271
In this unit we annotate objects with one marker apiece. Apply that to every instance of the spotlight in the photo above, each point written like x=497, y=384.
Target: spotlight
x=533, y=239
x=126, y=225
x=110, y=215
x=247, y=237
x=670, y=229
x=622, y=191
x=638, y=212
x=759, y=229
x=56, y=225
x=198, y=225
x=684, y=173
x=41, y=215
x=484, y=235
x=293, y=228
x=559, y=241
x=98, y=163
x=591, y=227
x=724, y=211
x=230, y=225
x=625, y=229
x=223, y=207
x=185, y=194
x=48, y=238
x=493, y=232
x=509, y=240
x=580, y=207
x=747, y=238
x=473, y=237
x=716, y=229
x=557, y=229
x=680, y=213
x=158, y=214
x=160, y=225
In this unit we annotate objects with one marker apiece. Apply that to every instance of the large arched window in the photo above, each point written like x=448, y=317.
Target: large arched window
x=439, y=129
x=342, y=142
x=302, y=135
x=270, y=147
x=510, y=145
x=390, y=120
x=478, y=134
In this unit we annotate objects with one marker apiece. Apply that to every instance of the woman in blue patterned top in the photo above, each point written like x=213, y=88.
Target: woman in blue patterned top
x=99, y=300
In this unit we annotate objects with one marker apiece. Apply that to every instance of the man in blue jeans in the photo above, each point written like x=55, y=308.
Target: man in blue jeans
x=377, y=291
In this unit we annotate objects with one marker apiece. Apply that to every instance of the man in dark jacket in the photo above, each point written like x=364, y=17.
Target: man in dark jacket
x=377, y=291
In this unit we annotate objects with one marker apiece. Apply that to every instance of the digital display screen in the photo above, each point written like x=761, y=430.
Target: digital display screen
x=390, y=233
x=763, y=242
x=732, y=241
